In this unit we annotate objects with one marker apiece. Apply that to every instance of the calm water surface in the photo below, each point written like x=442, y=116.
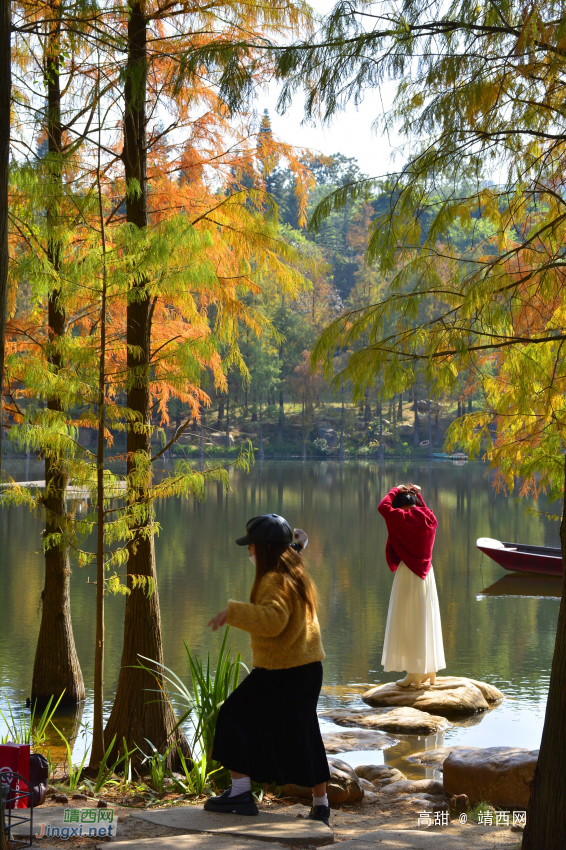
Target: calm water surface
x=496, y=627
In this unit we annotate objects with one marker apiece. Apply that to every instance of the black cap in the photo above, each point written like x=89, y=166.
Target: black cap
x=271, y=529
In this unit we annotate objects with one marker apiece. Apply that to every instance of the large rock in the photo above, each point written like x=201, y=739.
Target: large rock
x=501, y=776
x=367, y=786
x=343, y=776
x=410, y=721
x=379, y=774
x=343, y=786
x=449, y=695
x=425, y=802
x=356, y=739
x=433, y=758
x=414, y=786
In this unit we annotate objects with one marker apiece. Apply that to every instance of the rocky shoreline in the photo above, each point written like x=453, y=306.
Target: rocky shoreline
x=373, y=805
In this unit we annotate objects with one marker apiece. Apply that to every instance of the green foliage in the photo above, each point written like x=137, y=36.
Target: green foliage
x=469, y=234
x=106, y=772
x=157, y=763
x=197, y=774
x=210, y=688
x=27, y=729
x=74, y=771
x=480, y=808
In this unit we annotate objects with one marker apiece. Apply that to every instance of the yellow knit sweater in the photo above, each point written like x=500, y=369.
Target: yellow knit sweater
x=282, y=632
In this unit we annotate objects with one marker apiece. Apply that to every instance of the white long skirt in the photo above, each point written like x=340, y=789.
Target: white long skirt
x=413, y=635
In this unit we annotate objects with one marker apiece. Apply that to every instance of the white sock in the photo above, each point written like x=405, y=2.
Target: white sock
x=320, y=801
x=239, y=786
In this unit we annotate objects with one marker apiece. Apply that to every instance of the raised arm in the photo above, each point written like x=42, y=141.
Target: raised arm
x=385, y=507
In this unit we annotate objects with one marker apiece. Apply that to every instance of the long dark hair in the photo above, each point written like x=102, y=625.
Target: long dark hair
x=289, y=565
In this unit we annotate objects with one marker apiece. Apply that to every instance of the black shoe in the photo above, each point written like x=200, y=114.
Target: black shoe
x=321, y=813
x=239, y=804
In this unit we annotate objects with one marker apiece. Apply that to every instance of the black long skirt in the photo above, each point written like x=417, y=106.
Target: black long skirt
x=268, y=728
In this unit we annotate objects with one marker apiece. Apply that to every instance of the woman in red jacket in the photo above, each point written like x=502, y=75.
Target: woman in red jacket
x=413, y=635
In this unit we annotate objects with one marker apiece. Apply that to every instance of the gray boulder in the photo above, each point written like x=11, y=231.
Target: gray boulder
x=434, y=758
x=414, y=786
x=501, y=776
x=342, y=777
x=367, y=786
x=379, y=774
x=357, y=739
x=449, y=695
x=343, y=787
x=410, y=721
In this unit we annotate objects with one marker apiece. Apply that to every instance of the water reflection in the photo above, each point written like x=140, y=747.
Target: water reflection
x=519, y=584
x=503, y=638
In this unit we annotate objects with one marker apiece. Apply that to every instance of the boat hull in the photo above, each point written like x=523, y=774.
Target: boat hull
x=536, y=560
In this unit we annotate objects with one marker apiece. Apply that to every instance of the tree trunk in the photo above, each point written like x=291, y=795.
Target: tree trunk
x=227, y=421
x=436, y=428
x=469, y=404
x=97, y=747
x=546, y=813
x=400, y=408
x=5, y=93
x=380, y=450
x=261, y=453
x=56, y=667
x=394, y=422
x=136, y=714
x=220, y=414
x=416, y=438
x=342, y=455
x=367, y=410
x=201, y=439
x=429, y=432
x=281, y=417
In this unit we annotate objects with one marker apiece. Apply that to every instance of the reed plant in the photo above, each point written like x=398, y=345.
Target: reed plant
x=27, y=729
x=197, y=774
x=157, y=763
x=107, y=773
x=211, y=684
x=75, y=771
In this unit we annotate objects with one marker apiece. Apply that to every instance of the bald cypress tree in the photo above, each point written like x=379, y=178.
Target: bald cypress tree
x=5, y=94
x=481, y=85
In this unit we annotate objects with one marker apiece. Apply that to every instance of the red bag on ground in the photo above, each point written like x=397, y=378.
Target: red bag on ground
x=15, y=758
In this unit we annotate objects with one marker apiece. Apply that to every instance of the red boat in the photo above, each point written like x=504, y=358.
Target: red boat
x=518, y=557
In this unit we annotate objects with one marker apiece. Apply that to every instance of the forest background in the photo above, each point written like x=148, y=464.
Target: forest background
x=159, y=263
x=275, y=399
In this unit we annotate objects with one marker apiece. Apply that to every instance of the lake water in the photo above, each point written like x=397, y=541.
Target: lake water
x=504, y=636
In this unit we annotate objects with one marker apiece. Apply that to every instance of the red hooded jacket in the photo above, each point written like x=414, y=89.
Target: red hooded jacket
x=411, y=534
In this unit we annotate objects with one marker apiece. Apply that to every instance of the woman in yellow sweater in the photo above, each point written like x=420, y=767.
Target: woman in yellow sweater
x=267, y=730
